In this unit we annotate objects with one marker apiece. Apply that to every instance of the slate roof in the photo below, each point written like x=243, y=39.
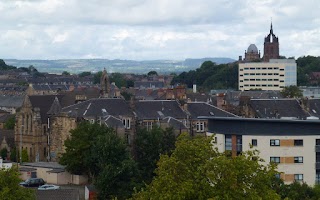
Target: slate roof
x=113, y=122
x=55, y=107
x=52, y=165
x=11, y=101
x=61, y=194
x=233, y=97
x=5, y=117
x=93, y=108
x=314, y=107
x=176, y=124
x=148, y=84
x=158, y=109
x=43, y=102
x=198, y=97
x=197, y=109
x=278, y=108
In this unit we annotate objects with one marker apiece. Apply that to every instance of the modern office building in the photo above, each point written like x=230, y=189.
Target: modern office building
x=293, y=144
x=273, y=75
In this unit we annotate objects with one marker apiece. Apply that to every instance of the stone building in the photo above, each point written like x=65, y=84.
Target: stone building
x=112, y=112
x=252, y=53
x=31, y=130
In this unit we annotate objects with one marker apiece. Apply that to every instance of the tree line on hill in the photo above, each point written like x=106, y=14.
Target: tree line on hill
x=224, y=76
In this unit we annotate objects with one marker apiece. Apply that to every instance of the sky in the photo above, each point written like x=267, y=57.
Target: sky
x=154, y=29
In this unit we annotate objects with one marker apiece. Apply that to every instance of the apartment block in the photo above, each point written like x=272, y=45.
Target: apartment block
x=273, y=75
x=294, y=145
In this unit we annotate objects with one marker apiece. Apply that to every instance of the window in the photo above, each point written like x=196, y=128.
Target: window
x=228, y=144
x=200, y=126
x=148, y=125
x=126, y=123
x=241, y=69
x=277, y=175
x=44, y=151
x=317, y=141
x=298, y=142
x=274, y=142
x=317, y=177
x=275, y=159
x=298, y=177
x=298, y=159
x=254, y=142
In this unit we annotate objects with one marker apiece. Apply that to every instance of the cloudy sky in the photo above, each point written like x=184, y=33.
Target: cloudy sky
x=154, y=29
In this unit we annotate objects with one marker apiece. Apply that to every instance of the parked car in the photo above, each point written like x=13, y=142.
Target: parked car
x=32, y=182
x=49, y=187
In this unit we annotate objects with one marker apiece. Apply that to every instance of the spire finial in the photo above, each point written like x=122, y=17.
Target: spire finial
x=271, y=30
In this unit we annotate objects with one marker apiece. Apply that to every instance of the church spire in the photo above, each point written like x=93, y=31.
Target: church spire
x=271, y=29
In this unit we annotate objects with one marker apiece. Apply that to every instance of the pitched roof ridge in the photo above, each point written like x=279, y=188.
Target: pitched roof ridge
x=222, y=110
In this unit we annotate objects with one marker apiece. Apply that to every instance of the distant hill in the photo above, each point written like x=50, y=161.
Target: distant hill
x=122, y=66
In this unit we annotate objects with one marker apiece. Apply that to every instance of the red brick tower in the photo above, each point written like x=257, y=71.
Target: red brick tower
x=271, y=46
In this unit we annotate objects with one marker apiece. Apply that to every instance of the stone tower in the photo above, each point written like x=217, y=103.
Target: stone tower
x=104, y=84
x=271, y=46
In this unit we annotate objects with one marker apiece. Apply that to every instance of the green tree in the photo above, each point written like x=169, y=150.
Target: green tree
x=291, y=91
x=97, y=77
x=13, y=154
x=84, y=74
x=9, y=186
x=78, y=148
x=242, y=177
x=182, y=175
x=98, y=152
x=130, y=83
x=209, y=76
x=65, y=73
x=149, y=145
x=4, y=153
x=25, y=157
x=152, y=73
x=126, y=95
x=4, y=66
x=117, y=170
x=10, y=123
x=118, y=79
x=196, y=170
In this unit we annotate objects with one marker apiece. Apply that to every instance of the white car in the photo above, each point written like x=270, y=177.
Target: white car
x=49, y=187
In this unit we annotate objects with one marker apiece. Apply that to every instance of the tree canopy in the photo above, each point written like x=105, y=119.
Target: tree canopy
x=196, y=170
x=84, y=74
x=152, y=73
x=291, y=91
x=10, y=123
x=149, y=145
x=210, y=76
x=96, y=150
x=10, y=188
